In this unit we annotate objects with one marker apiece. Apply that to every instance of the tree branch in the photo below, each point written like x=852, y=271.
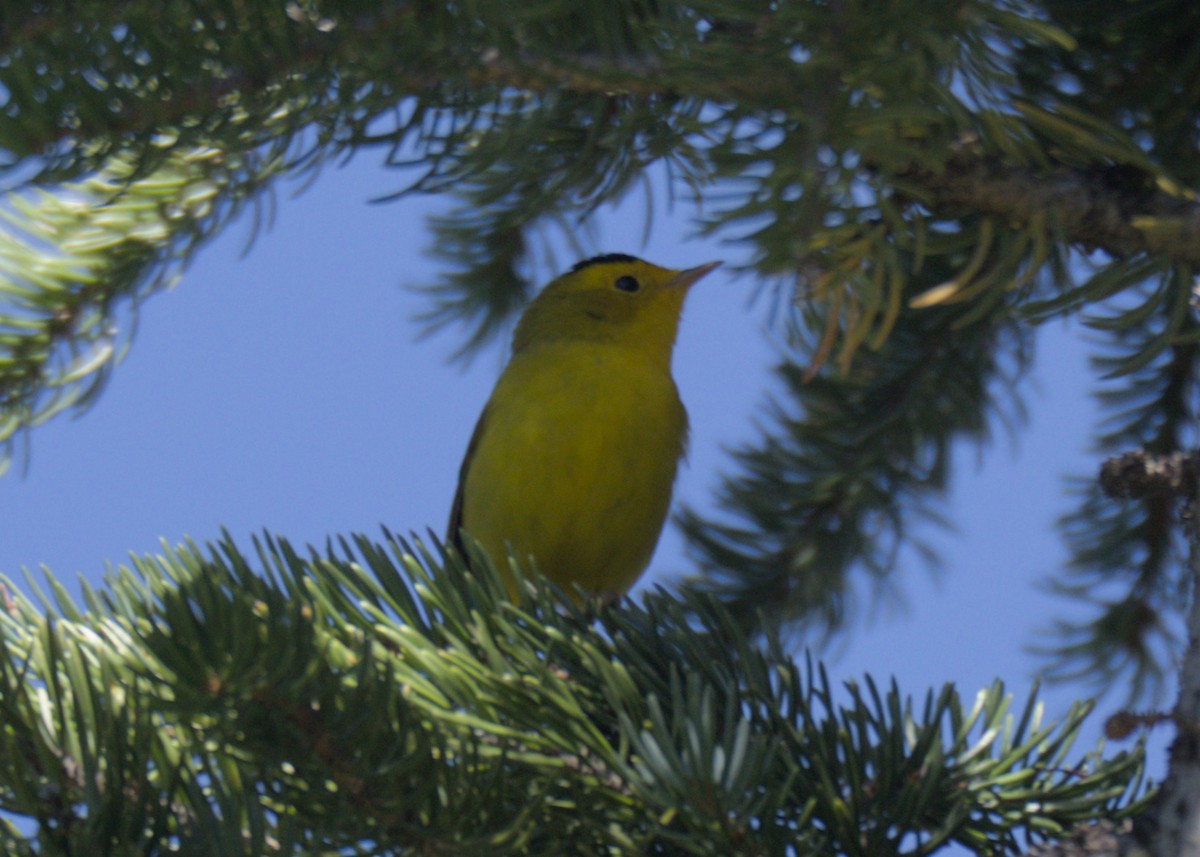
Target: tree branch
x=1115, y=208
x=1172, y=825
x=1101, y=839
x=1118, y=209
x=1175, y=816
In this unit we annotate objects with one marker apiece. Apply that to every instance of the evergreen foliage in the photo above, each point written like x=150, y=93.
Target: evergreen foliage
x=924, y=184
x=921, y=182
x=373, y=699
x=867, y=450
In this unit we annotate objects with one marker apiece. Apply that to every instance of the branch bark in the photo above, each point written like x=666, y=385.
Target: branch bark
x=1102, y=839
x=1115, y=208
x=1175, y=830
x=1118, y=209
x=1171, y=827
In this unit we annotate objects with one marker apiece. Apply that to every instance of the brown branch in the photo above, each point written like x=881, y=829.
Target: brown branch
x=338, y=48
x=1172, y=825
x=1101, y=839
x=1140, y=474
x=1118, y=209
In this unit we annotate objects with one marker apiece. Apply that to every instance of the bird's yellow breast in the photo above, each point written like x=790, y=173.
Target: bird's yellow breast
x=573, y=463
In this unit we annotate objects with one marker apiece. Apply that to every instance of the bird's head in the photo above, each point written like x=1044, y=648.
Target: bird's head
x=613, y=298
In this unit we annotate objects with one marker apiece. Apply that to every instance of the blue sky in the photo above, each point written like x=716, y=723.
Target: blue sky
x=284, y=388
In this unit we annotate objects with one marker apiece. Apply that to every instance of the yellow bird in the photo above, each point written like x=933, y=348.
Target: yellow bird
x=573, y=459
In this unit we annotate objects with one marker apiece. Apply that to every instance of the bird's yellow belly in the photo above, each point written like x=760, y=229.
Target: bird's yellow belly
x=574, y=467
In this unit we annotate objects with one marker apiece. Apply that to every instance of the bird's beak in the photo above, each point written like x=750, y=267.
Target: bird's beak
x=687, y=276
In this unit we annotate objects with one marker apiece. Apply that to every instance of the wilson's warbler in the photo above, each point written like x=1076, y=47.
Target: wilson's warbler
x=573, y=459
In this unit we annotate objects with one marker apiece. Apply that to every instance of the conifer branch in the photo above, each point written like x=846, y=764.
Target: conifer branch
x=1172, y=823
x=387, y=699
x=1118, y=209
x=1101, y=839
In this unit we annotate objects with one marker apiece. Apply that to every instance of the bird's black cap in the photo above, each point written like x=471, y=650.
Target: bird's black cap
x=604, y=260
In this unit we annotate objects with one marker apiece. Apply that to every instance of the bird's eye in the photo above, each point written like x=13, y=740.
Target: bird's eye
x=627, y=284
